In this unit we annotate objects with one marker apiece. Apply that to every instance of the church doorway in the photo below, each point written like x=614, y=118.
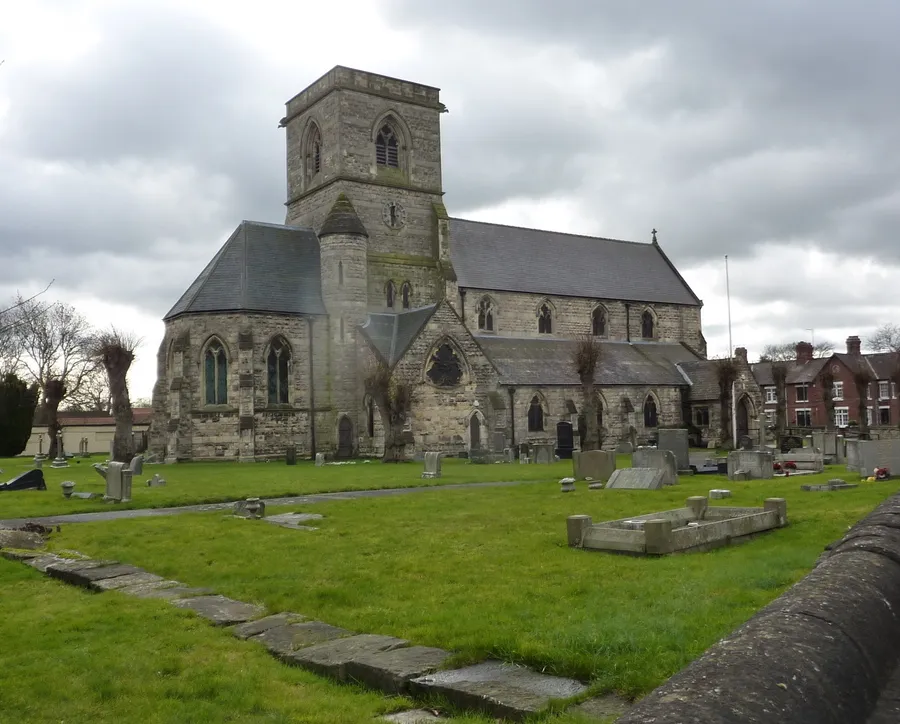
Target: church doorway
x=345, y=438
x=743, y=419
x=474, y=433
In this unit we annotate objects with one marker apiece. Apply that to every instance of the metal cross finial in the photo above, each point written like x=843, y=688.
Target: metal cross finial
x=654, y=236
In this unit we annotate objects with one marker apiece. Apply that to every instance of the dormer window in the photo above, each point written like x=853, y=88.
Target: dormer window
x=387, y=150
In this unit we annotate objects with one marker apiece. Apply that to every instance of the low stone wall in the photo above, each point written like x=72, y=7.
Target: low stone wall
x=825, y=651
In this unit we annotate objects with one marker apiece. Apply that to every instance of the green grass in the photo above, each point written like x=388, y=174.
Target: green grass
x=194, y=483
x=487, y=573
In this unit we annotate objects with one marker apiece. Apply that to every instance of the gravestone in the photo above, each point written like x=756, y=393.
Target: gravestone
x=565, y=440
x=593, y=464
x=60, y=461
x=676, y=441
x=136, y=465
x=127, y=478
x=625, y=448
x=878, y=454
x=290, y=455
x=543, y=454
x=719, y=493
x=755, y=463
x=320, y=459
x=840, y=449
x=114, y=480
x=156, y=481
x=649, y=457
x=637, y=479
x=805, y=459
x=432, y=465
x=852, y=450
x=510, y=454
x=38, y=463
x=29, y=480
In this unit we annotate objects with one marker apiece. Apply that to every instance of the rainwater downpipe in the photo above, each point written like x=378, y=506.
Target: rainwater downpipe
x=512, y=419
x=627, y=322
x=312, y=394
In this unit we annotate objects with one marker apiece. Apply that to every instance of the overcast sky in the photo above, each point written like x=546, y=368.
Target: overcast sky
x=134, y=137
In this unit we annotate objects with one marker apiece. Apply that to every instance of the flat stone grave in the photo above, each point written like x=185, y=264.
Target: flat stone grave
x=835, y=484
x=596, y=465
x=651, y=457
x=331, y=657
x=637, y=479
x=220, y=610
x=498, y=689
x=696, y=527
x=412, y=716
x=391, y=671
x=29, y=480
x=282, y=641
x=294, y=521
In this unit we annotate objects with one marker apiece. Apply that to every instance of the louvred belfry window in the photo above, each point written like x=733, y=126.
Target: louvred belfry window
x=387, y=150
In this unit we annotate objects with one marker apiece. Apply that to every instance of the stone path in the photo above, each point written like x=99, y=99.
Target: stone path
x=212, y=507
x=384, y=663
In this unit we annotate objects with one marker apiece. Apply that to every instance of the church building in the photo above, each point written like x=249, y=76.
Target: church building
x=270, y=345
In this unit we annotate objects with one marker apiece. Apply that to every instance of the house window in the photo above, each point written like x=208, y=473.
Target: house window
x=486, y=315
x=444, y=368
x=884, y=415
x=802, y=393
x=405, y=292
x=884, y=390
x=804, y=418
x=390, y=294
x=650, y=413
x=837, y=392
x=545, y=320
x=278, y=364
x=647, y=324
x=701, y=416
x=771, y=395
x=870, y=416
x=841, y=416
x=770, y=417
x=535, y=415
x=598, y=322
x=386, y=147
x=216, y=373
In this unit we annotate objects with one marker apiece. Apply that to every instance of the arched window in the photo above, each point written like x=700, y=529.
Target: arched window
x=405, y=292
x=387, y=150
x=391, y=294
x=215, y=370
x=598, y=322
x=650, y=412
x=545, y=320
x=535, y=415
x=278, y=367
x=313, y=151
x=444, y=367
x=647, y=325
x=340, y=272
x=486, y=315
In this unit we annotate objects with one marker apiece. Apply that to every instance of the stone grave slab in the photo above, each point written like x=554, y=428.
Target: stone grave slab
x=594, y=464
x=413, y=716
x=147, y=590
x=331, y=658
x=168, y=593
x=20, y=555
x=498, y=689
x=41, y=563
x=719, y=494
x=601, y=707
x=283, y=641
x=85, y=576
x=29, y=480
x=133, y=579
x=261, y=625
x=829, y=486
x=675, y=440
x=294, y=521
x=86, y=496
x=637, y=479
x=878, y=454
x=220, y=610
x=755, y=462
x=389, y=671
x=114, y=485
x=20, y=539
x=649, y=457
x=624, y=448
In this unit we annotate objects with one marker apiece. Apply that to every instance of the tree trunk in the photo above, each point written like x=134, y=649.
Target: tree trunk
x=591, y=429
x=394, y=444
x=54, y=391
x=861, y=411
x=123, y=441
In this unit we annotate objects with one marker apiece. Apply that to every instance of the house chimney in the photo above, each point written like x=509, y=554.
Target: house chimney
x=804, y=352
x=740, y=354
x=854, y=345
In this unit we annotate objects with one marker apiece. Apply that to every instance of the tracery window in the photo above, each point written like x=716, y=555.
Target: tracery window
x=445, y=369
x=647, y=325
x=545, y=320
x=278, y=366
x=405, y=292
x=215, y=368
x=598, y=322
x=486, y=315
x=650, y=413
x=387, y=150
x=535, y=415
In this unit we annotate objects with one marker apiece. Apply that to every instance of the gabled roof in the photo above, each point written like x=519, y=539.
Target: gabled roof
x=703, y=377
x=797, y=373
x=883, y=364
x=514, y=259
x=391, y=333
x=543, y=361
x=261, y=268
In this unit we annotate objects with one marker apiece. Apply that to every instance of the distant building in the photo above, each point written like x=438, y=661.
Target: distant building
x=97, y=427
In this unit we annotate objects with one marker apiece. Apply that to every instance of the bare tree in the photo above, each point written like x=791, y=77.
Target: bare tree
x=93, y=395
x=393, y=399
x=885, y=339
x=54, y=391
x=726, y=375
x=115, y=351
x=585, y=358
x=787, y=351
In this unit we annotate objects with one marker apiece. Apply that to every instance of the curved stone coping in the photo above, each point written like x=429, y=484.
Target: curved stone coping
x=825, y=651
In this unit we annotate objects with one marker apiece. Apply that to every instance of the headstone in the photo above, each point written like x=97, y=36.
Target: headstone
x=290, y=455
x=60, y=461
x=114, y=480
x=510, y=454
x=127, y=478
x=878, y=454
x=757, y=464
x=649, y=457
x=593, y=464
x=543, y=454
x=624, y=448
x=156, y=481
x=320, y=459
x=840, y=450
x=29, y=480
x=852, y=449
x=136, y=465
x=565, y=440
x=719, y=493
x=567, y=485
x=637, y=479
x=676, y=441
x=746, y=442
x=432, y=465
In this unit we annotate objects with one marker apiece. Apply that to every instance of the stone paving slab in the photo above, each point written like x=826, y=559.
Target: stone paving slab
x=169, y=593
x=498, y=689
x=41, y=562
x=20, y=555
x=132, y=579
x=148, y=590
x=293, y=521
x=277, y=620
x=413, y=716
x=220, y=610
x=331, y=658
x=389, y=671
x=85, y=576
x=285, y=640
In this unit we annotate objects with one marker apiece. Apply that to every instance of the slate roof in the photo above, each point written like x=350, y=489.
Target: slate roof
x=513, y=259
x=343, y=219
x=391, y=333
x=703, y=378
x=883, y=364
x=542, y=361
x=261, y=268
x=796, y=373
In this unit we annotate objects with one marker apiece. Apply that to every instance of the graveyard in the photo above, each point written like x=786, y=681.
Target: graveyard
x=483, y=572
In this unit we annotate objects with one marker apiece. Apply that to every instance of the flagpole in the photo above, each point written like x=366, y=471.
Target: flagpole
x=728, y=297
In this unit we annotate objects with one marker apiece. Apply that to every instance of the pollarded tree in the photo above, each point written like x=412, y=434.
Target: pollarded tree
x=115, y=351
x=393, y=399
x=17, y=404
x=826, y=379
x=585, y=358
x=54, y=392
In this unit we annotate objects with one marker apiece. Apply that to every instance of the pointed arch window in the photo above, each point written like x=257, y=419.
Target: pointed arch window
x=486, y=315
x=545, y=320
x=535, y=415
x=598, y=322
x=648, y=324
x=340, y=272
x=278, y=365
x=445, y=369
x=650, y=413
x=314, y=151
x=405, y=293
x=215, y=369
x=390, y=294
x=387, y=149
